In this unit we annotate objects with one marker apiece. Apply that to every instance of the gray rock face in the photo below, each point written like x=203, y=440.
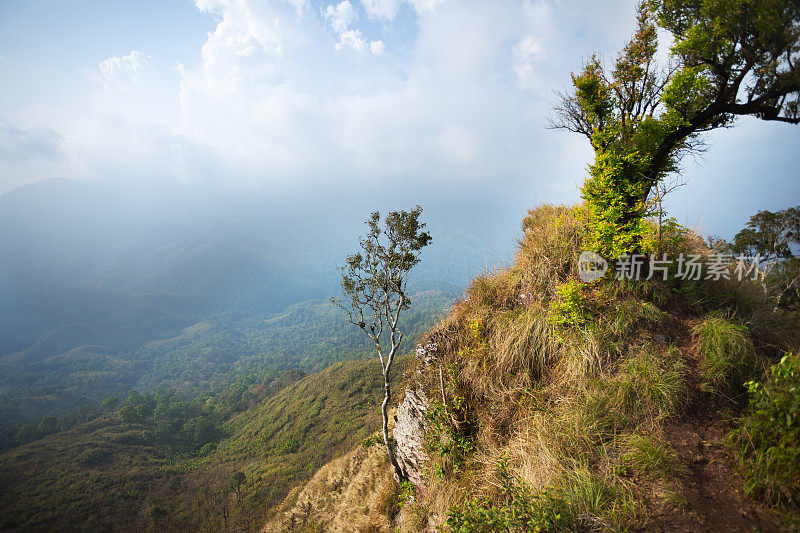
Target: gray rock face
x=427, y=352
x=409, y=433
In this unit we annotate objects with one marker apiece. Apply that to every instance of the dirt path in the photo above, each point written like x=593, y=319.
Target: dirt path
x=713, y=491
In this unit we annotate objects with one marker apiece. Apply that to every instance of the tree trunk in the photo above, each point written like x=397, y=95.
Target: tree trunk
x=660, y=221
x=387, y=397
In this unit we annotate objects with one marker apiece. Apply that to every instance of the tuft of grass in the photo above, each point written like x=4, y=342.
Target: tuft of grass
x=649, y=386
x=627, y=313
x=728, y=355
x=549, y=249
x=646, y=455
x=492, y=291
x=521, y=346
x=581, y=501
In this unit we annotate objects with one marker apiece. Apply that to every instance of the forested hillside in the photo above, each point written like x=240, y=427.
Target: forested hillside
x=104, y=289
x=217, y=462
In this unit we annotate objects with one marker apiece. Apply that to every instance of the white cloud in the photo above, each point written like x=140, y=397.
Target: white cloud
x=425, y=5
x=381, y=9
x=459, y=97
x=301, y=112
x=528, y=50
x=377, y=47
x=352, y=39
x=341, y=16
x=525, y=52
x=340, y=19
x=272, y=101
x=124, y=69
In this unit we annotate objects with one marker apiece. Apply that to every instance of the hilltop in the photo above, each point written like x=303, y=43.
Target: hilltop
x=556, y=405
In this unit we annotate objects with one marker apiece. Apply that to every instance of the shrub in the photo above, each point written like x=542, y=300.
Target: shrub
x=767, y=439
x=579, y=503
x=519, y=509
x=568, y=309
x=450, y=428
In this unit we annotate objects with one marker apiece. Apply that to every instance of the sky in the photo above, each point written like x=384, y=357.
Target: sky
x=428, y=97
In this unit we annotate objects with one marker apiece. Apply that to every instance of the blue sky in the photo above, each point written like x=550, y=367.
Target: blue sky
x=373, y=94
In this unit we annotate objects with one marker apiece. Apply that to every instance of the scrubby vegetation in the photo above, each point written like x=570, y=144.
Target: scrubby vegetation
x=555, y=403
x=766, y=440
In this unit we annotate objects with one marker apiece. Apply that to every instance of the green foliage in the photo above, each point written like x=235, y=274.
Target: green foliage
x=374, y=280
x=569, y=308
x=728, y=356
x=110, y=404
x=199, y=360
x=578, y=502
x=48, y=424
x=614, y=203
x=641, y=120
x=157, y=515
x=771, y=237
x=767, y=438
x=450, y=426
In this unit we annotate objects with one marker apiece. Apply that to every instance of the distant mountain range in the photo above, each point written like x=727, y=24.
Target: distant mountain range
x=106, y=286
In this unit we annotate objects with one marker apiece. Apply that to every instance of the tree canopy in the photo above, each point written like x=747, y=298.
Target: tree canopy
x=728, y=58
x=773, y=237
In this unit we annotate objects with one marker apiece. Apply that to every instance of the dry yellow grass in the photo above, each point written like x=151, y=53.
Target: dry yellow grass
x=549, y=404
x=347, y=495
x=548, y=400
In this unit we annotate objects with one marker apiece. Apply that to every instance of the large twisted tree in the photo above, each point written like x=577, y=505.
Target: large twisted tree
x=728, y=58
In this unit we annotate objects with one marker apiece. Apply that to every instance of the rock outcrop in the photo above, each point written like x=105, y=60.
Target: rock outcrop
x=409, y=433
x=409, y=429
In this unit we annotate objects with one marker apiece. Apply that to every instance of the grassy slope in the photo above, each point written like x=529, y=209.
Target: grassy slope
x=586, y=407
x=287, y=438
x=355, y=492
x=575, y=406
x=101, y=476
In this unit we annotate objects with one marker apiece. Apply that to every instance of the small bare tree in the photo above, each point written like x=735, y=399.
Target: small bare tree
x=657, y=194
x=374, y=286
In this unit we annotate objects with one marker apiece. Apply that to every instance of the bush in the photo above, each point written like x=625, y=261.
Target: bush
x=568, y=310
x=579, y=503
x=767, y=439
